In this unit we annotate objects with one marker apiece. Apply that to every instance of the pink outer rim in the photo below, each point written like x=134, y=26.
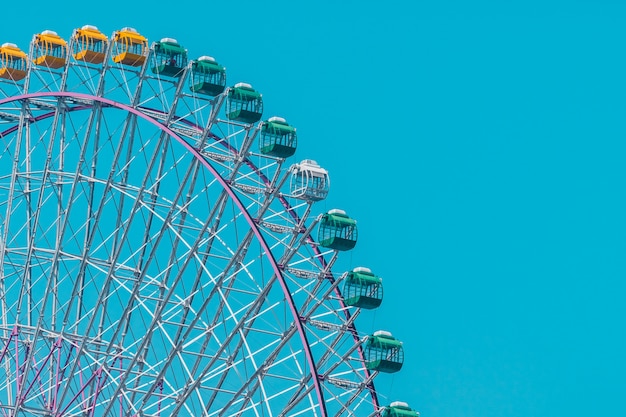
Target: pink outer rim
x=233, y=196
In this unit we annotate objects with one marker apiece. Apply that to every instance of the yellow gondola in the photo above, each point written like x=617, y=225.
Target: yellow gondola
x=129, y=47
x=89, y=44
x=13, y=64
x=49, y=50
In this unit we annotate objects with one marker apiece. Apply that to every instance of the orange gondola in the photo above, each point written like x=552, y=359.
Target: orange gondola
x=129, y=47
x=13, y=62
x=89, y=45
x=49, y=50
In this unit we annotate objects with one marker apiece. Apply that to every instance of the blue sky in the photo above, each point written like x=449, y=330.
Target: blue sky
x=480, y=145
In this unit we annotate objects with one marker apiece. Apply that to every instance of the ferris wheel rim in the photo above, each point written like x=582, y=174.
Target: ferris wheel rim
x=63, y=116
x=318, y=253
x=236, y=200
x=318, y=256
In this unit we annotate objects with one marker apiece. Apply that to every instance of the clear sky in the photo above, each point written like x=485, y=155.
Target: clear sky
x=480, y=146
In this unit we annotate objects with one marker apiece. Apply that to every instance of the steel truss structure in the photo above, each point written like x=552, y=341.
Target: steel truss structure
x=155, y=263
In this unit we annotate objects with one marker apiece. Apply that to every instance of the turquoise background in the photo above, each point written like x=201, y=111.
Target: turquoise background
x=480, y=145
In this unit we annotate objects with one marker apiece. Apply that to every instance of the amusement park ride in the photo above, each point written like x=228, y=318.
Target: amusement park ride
x=159, y=257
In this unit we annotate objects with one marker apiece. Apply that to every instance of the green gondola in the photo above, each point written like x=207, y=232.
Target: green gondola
x=337, y=231
x=363, y=289
x=278, y=138
x=207, y=76
x=383, y=353
x=244, y=104
x=170, y=59
x=399, y=409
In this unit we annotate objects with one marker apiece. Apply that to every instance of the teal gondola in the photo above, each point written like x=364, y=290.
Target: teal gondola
x=337, y=231
x=363, y=289
x=169, y=57
x=278, y=138
x=207, y=76
x=399, y=409
x=244, y=104
x=383, y=353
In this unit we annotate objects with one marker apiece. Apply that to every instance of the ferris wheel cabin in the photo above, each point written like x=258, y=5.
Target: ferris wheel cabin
x=89, y=45
x=129, y=47
x=207, y=76
x=244, y=104
x=363, y=289
x=169, y=58
x=13, y=62
x=278, y=138
x=49, y=50
x=399, y=409
x=309, y=181
x=337, y=231
x=383, y=353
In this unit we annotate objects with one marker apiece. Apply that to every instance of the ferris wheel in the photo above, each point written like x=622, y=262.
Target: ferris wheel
x=159, y=254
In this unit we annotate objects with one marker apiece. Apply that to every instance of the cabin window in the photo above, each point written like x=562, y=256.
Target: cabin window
x=96, y=45
x=127, y=45
x=10, y=61
x=211, y=77
x=53, y=49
